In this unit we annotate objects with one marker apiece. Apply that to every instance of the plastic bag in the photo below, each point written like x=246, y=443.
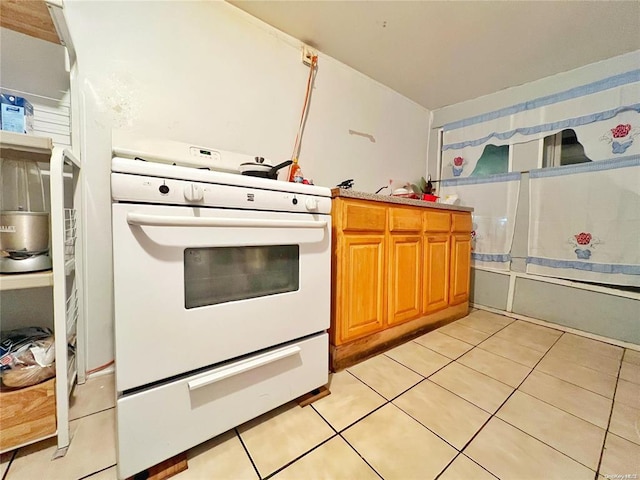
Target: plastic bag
x=27, y=356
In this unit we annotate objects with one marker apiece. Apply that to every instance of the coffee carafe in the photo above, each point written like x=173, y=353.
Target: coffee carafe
x=24, y=221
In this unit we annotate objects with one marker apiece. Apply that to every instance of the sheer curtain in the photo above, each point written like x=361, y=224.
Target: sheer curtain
x=494, y=200
x=605, y=116
x=584, y=222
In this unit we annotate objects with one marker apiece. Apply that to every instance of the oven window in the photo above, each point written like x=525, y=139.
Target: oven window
x=224, y=274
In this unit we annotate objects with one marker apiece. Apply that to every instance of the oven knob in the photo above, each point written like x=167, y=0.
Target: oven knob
x=193, y=192
x=163, y=189
x=311, y=204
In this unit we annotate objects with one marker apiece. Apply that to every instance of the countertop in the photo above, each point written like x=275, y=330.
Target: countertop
x=348, y=193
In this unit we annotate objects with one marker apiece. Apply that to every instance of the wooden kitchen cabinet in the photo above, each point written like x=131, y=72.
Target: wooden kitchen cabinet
x=358, y=266
x=404, y=276
x=461, y=227
x=437, y=254
x=437, y=248
x=460, y=264
x=404, y=265
x=361, y=280
x=397, y=271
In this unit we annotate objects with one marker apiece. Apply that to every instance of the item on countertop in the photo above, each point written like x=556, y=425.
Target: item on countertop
x=425, y=189
x=27, y=357
x=423, y=186
x=386, y=186
x=451, y=200
x=261, y=169
x=295, y=175
x=346, y=184
x=16, y=114
x=404, y=193
x=430, y=198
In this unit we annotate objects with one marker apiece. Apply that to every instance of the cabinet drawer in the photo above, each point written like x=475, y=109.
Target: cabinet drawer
x=161, y=422
x=461, y=222
x=404, y=220
x=437, y=221
x=358, y=217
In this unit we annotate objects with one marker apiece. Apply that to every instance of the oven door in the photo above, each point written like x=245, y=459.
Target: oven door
x=197, y=286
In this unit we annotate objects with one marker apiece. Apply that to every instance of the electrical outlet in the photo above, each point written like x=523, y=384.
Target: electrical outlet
x=307, y=54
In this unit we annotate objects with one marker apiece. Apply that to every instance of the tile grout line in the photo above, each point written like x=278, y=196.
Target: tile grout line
x=459, y=451
x=92, y=413
x=583, y=366
x=97, y=471
x=13, y=456
x=562, y=409
x=460, y=454
x=613, y=402
x=387, y=401
x=502, y=356
x=288, y=464
x=358, y=453
x=416, y=372
x=492, y=415
x=526, y=433
x=291, y=462
x=246, y=450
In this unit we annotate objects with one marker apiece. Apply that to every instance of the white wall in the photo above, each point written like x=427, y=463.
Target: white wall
x=35, y=69
x=209, y=74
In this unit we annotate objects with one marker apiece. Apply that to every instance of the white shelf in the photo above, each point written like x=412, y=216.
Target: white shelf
x=29, y=147
x=18, y=281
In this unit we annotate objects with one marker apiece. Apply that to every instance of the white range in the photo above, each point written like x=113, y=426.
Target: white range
x=221, y=296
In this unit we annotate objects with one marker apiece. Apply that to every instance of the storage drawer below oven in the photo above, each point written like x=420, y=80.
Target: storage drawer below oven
x=161, y=422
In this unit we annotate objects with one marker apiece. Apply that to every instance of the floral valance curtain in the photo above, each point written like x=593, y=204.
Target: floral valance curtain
x=584, y=222
x=494, y=200
x=605, y=116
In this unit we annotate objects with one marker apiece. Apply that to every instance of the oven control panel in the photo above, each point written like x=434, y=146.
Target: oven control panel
x=168, y=191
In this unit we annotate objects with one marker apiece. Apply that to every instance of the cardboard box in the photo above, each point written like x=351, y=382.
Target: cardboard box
x=16, y=114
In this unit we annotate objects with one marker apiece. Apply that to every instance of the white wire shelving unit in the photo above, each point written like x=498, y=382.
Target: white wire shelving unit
x=66, y=275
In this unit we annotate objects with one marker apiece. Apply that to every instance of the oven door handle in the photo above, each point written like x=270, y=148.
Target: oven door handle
x=145, y=220
x=242, y=367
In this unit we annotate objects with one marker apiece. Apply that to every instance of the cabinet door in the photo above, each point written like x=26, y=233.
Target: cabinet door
x=360, y=286
x=405, y=277
x=460, y=264
x=436, y=273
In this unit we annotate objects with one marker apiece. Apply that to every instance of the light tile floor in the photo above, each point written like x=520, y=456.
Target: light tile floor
x=485, y=397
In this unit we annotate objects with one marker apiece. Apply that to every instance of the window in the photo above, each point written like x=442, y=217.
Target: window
x=494, y=160
x=563, y=148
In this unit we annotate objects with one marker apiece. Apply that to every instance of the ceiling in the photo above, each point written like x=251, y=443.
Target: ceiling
x=439, y=53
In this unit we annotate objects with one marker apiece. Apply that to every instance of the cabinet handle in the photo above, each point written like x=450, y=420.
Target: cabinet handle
x=242, y=367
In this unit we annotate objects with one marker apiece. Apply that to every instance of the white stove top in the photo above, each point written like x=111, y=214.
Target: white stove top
x=182, y=161
x=161, y=170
